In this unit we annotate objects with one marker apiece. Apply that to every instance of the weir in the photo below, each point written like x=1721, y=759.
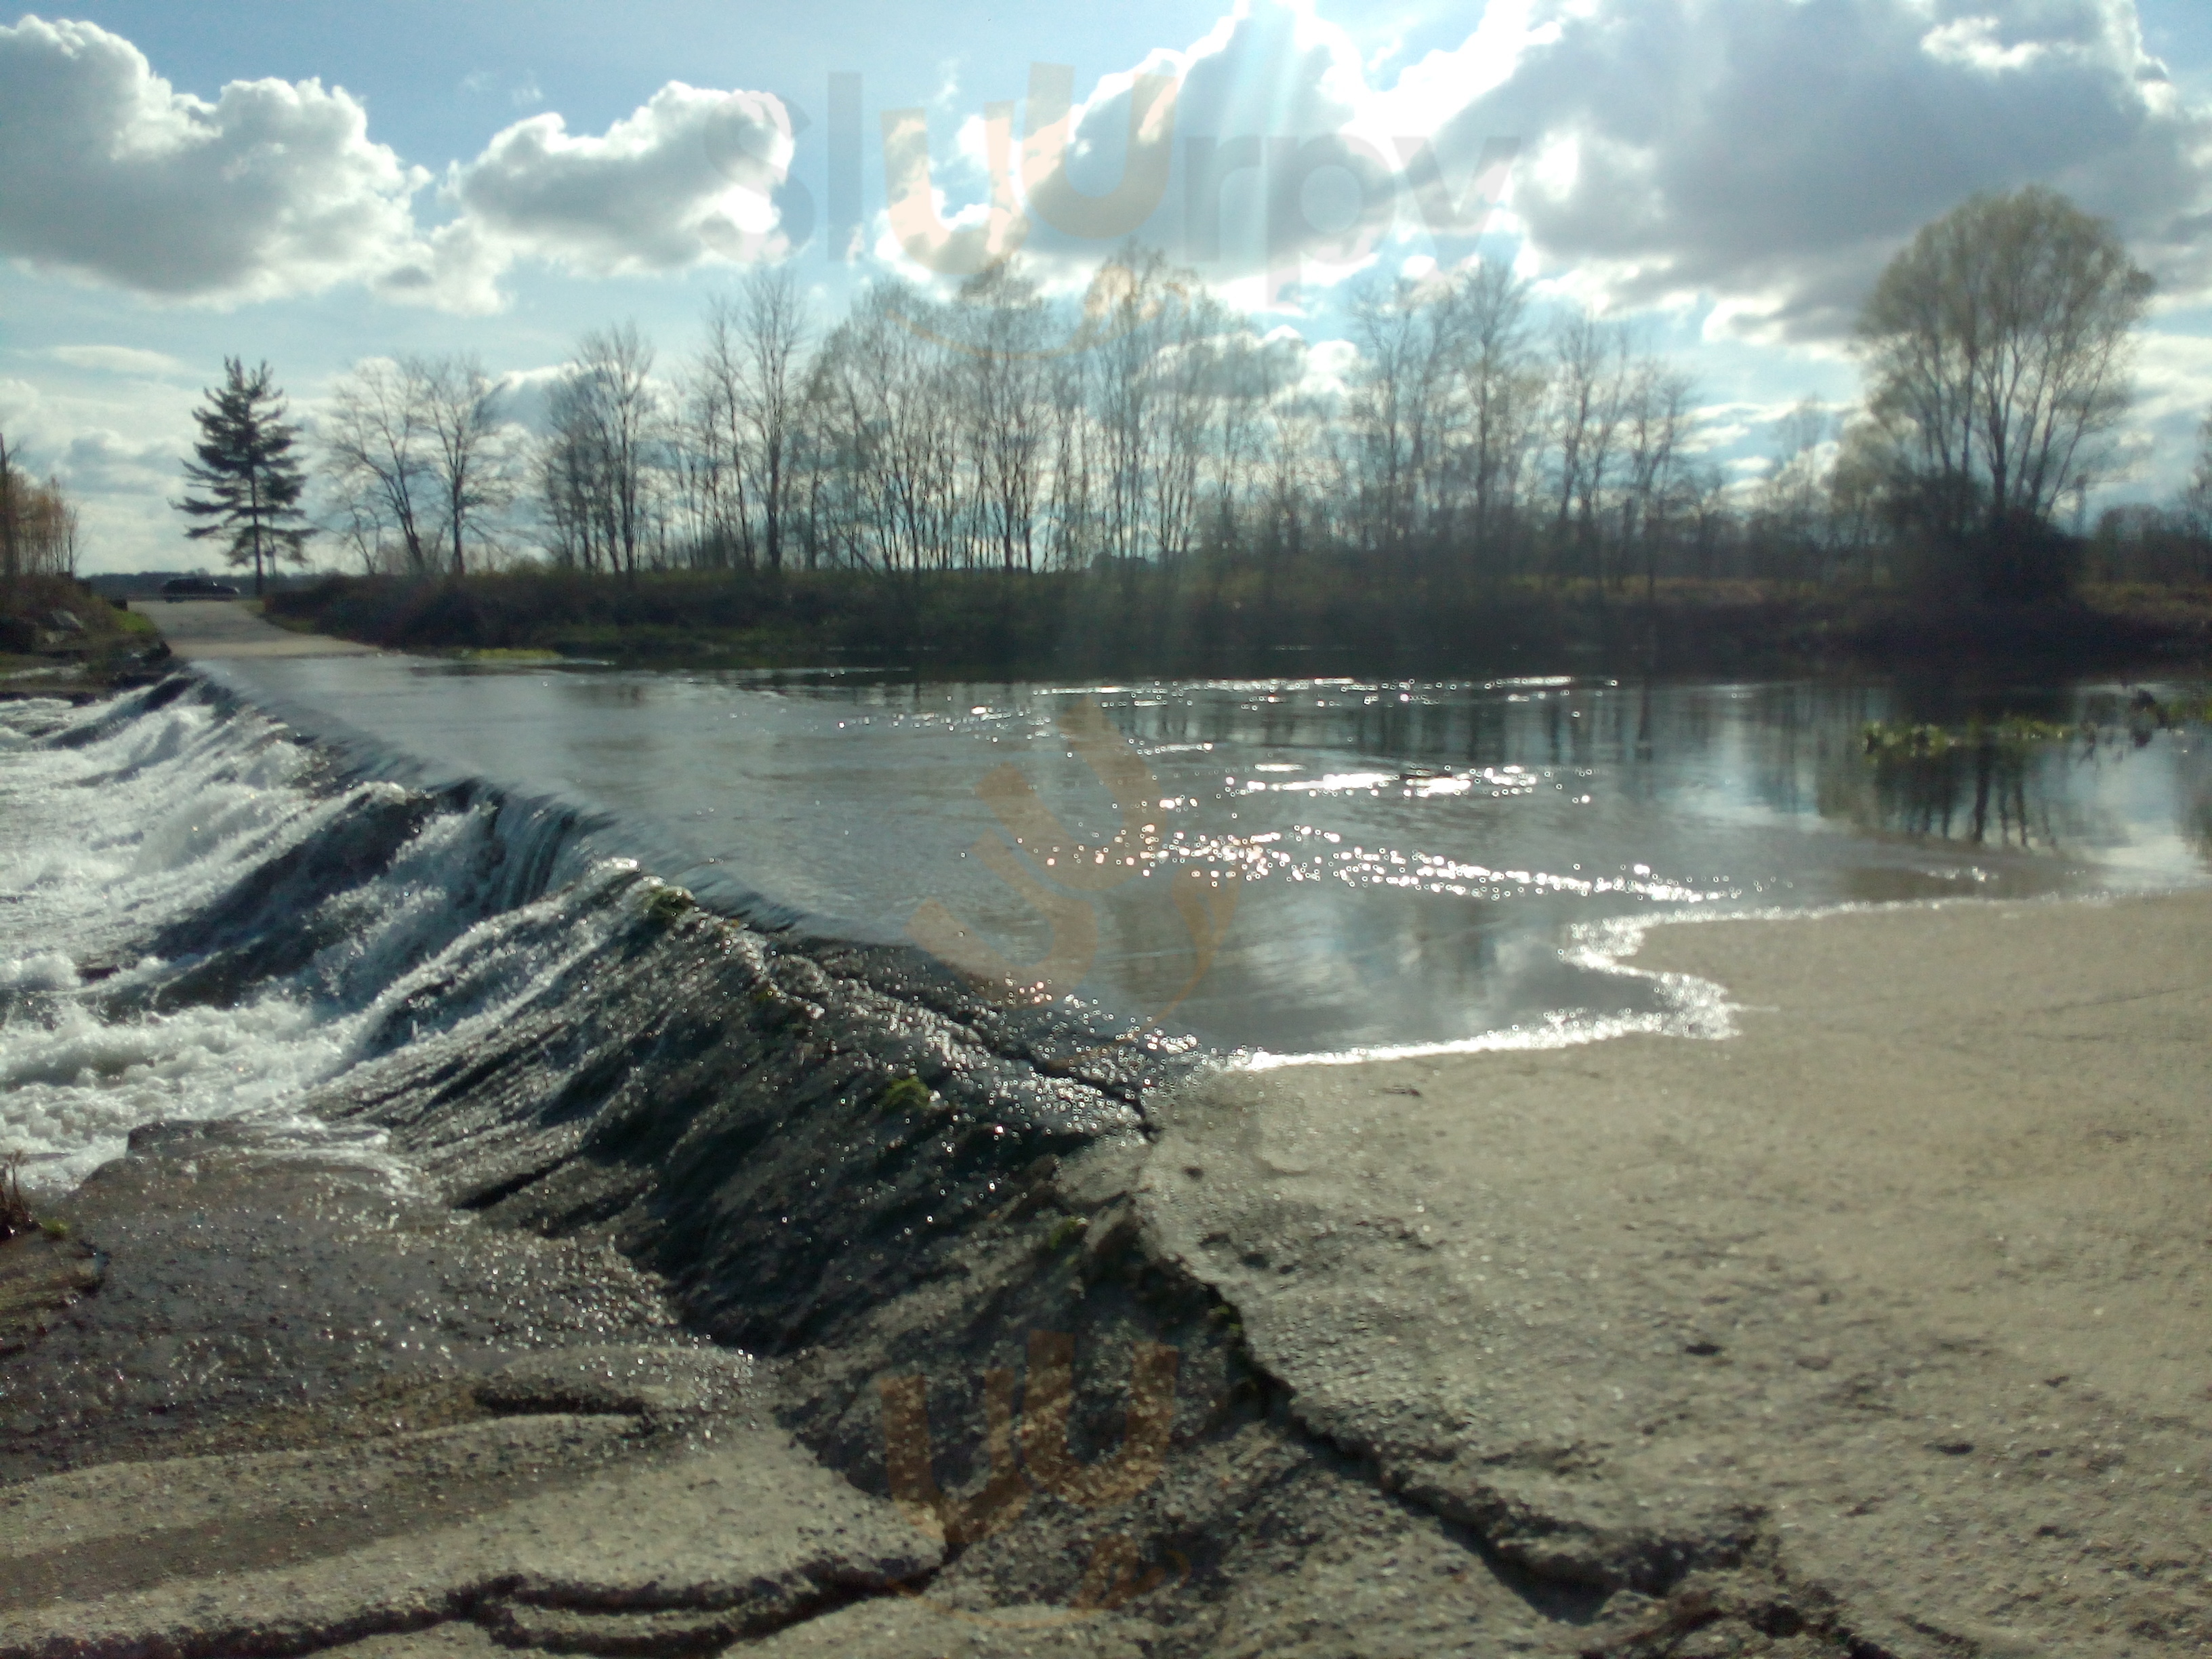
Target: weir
x=507, y=1248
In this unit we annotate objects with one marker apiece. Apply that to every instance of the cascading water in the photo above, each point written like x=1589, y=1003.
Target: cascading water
x=201, y=918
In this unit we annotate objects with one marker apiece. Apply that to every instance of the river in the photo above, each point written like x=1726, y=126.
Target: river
x=217, y=896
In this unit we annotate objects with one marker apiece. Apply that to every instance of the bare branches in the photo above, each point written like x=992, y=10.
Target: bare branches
x=473, y=464
x=375, y=456
x=1998, y=346
x=39, y=524
x=418, y=462
x=595, y=470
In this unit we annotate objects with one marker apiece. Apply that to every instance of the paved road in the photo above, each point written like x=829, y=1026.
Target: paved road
x=234, y=627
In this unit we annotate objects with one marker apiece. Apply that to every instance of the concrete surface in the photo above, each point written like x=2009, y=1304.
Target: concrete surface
x=199, y=629
x=1903, y=1289
x=1878, y=1330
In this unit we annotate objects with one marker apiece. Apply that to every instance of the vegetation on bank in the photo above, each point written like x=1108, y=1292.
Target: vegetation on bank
x=16, y=1217
x=998, y=482
x=58, y=638
x=1469, y=437
x=1326, y=617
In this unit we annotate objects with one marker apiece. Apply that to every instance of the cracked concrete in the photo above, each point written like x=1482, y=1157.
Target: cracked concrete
x=1876, y=1330
x=732, y=1532
x=1900, y=1294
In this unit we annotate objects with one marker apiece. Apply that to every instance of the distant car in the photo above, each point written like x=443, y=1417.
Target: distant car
x=196, y=587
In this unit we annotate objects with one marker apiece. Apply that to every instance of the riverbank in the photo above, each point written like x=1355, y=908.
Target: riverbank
x=1878, y=1329
x=59, y=639
x=1140, y=622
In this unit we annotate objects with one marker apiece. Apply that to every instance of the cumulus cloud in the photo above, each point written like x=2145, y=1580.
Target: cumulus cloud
x=104, y=462
x=1763, y=157
x=1247, y=155
x=1771, y=157
x=693, y=174
x=275, y=189
x=107, y=172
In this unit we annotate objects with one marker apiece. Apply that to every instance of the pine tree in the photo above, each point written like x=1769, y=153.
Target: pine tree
x=252, y=480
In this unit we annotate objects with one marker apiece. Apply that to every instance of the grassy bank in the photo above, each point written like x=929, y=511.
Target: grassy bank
x=109, y=646
x=1142, y=623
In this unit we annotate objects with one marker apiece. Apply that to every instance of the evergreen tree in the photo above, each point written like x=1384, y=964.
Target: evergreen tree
x=252, y=480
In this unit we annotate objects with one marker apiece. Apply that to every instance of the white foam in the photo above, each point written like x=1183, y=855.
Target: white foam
x=158, y=820
x=1689, y=1007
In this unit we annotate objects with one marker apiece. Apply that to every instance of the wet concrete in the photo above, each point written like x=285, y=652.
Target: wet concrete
x=197, y=629
x=1900, y=1298
x=264, y=1289
x=1645, y=1347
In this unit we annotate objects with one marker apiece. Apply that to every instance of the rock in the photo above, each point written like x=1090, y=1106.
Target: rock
x=636, y=1381
x=41, y=1276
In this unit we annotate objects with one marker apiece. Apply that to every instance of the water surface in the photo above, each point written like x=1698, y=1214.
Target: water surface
x=1405, y=863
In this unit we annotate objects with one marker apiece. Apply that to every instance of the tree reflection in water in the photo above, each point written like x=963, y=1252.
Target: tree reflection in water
x=1976, y=790
x=1995, y=785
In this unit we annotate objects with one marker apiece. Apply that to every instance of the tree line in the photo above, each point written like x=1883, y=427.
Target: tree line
x=39, y=524
x=1459, y=441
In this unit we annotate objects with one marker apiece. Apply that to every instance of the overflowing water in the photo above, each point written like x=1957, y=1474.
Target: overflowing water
x=200, y=917
x=215, y=896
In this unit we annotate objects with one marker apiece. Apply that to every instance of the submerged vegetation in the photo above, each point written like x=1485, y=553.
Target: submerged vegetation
x=59, y=639
x=1972, y=780
x=666, y=903
x=1889, y=739
x=906, y=1094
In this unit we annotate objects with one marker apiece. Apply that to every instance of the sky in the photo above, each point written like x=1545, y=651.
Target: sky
x=313, y=184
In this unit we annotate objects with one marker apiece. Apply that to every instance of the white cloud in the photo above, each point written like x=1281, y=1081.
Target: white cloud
x=693, y=174
x=107, y=173
x=1277, y=175
x=1771, y=157
x=118, y=360
x=116, y=449
x=1755, y=159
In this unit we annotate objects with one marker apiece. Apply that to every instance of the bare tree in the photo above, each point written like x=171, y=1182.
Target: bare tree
x=772, y=338
x=605, y=427
x=1588, y=383
x=472, y=462
x=1502, y=387
x=1660, y=402
x=1395, y=408
x=716, y=400
x=11, y=553
x=377, y=446
x=1998, y=346
x=39, y=524
x=2197, y=500
x=569, y=474
x=1794, y=502
x=1005, y=409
